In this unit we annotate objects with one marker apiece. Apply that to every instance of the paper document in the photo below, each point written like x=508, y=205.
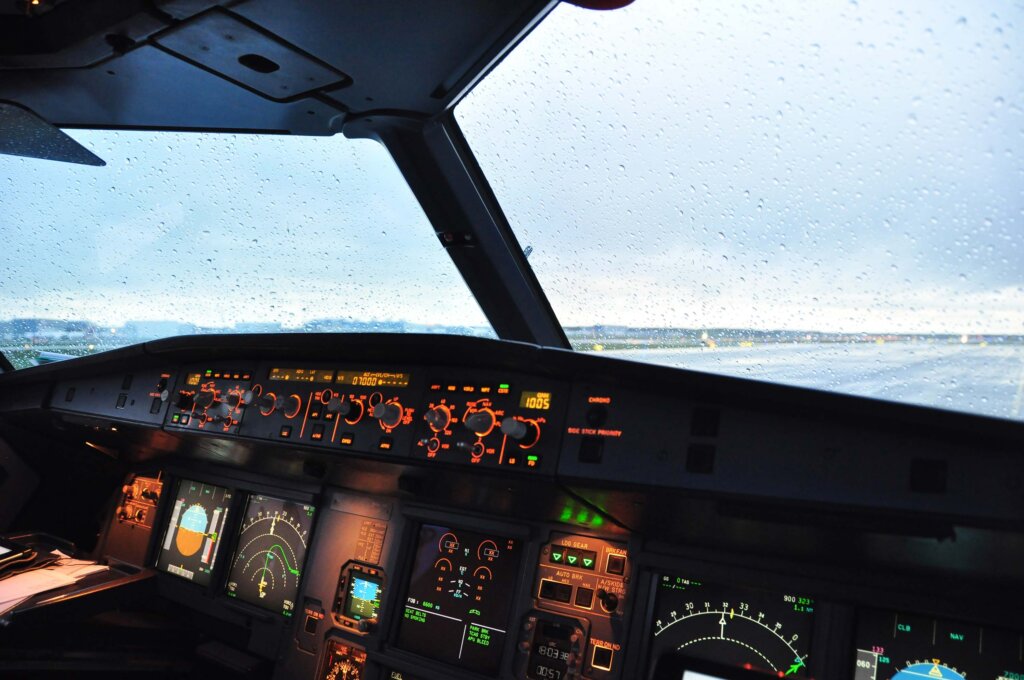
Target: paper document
x=16, y=589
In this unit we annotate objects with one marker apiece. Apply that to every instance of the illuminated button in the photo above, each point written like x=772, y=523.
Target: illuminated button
x=572, y=558
x=588, y=558
x=175, y=418
x=553, y=590
x=347, y=438
x=185, y=417
x=602, y=659
x=557, y=554
x=384, y=444
x=584, y=598
x=616, y=564
x=286, y=431
x=317, y=433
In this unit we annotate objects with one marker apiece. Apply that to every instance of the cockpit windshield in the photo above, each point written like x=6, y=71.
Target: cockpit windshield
x=186, y=233
x=821, y=194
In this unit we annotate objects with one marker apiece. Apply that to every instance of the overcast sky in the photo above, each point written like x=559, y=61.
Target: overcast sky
x=851, y=166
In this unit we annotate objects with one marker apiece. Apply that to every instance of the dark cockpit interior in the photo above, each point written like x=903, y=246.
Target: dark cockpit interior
x=430, y=505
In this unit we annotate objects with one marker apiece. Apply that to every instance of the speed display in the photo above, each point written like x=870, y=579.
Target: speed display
x=895, y=646
x=272, y=544
x=732, y=625
x=459, y=597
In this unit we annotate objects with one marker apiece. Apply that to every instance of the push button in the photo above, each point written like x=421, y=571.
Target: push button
x=557, y=554
x=617, y=564
x=286, y=431
x=584, y=598
x=602, y=659
x=588, y=558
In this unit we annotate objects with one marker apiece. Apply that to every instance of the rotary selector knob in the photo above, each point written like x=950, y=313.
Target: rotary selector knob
x=219, y=412
x=204, y=398
x=292, y=405
x=438, y=418
x=336, y=405
x=268, y=402
x=389, y=414
x=240, y=400
x=525, y=432
x=480, y=422
x=184, y=401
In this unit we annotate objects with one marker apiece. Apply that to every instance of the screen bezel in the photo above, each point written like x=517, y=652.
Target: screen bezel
x=415, y=517
x=377, y=580
x=165, y=520
x=243, y=512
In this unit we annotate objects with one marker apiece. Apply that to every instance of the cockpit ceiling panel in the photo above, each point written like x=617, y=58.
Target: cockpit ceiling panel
x=344, y=58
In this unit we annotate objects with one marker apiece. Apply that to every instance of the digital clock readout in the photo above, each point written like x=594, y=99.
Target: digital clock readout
x=538, y=401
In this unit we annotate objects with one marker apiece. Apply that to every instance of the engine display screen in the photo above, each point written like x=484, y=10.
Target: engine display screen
x=267, y=566
x=735, y=626
x=192, y=538
x=894, y=646
x=459, y=597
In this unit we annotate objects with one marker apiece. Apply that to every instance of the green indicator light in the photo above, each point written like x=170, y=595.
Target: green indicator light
x=597, y=521
x=587, y=562
x=572, y=559
x=503, y=386
x=566, y=513
x=582, y=516
x=557, y=555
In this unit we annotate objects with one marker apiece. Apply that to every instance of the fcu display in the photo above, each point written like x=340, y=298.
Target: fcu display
x=267, y=565
x=735, y=626
x=191, y=540
x=893, y=646
x=459, y=595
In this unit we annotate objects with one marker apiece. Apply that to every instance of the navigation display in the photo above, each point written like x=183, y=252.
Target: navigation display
x=192, y=538
x=736, y=626
x=894, y=646
x=267, y=566
x=459, y=596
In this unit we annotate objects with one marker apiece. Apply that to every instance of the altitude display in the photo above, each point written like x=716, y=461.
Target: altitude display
x=459, y=596
x=893, y=646
x=272, y=544
x=192, y=538
x=734, y=626
x=372, y=378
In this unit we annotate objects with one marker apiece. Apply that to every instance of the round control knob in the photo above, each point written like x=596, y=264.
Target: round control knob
x=184, y=401
x=241, y=399
x=127, y=490
x=139, y=514
x=525, y=432
x=609, y=601
x=219, y=412
x=389, y=414
x=122, y=513
x=292, y=405
x=480, y=422
x=204, y=398
x=438, y=418
x=336, y=405
x=267, y=403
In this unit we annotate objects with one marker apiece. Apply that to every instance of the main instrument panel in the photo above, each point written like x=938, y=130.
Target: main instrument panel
x=410, y=520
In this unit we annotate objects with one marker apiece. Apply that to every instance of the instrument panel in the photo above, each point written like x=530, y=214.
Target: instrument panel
x=489, y=419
